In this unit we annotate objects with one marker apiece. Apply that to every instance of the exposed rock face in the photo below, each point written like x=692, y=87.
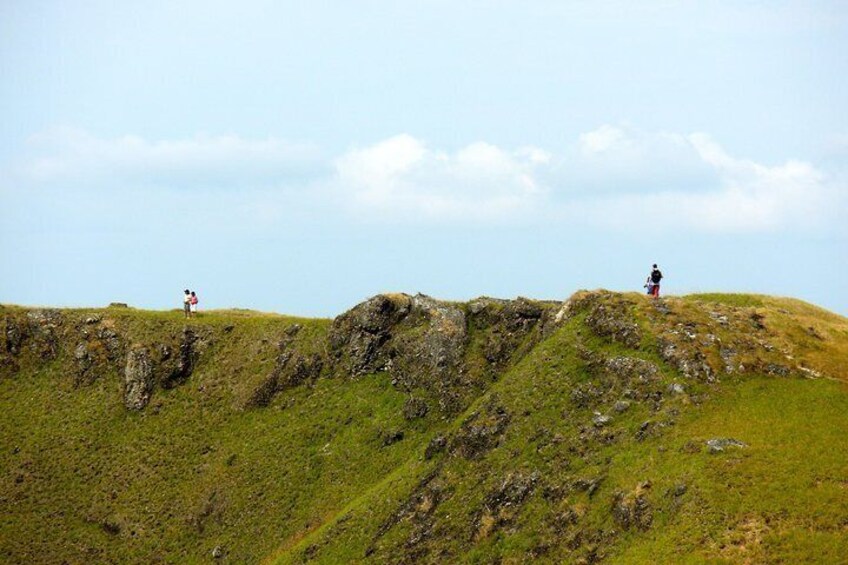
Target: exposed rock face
x=418, y=510
x=360, y=333
x=111, y=342
x=138, y=379
x=44, y=328
x=615, y=324
x=430, y=352
x=181, y=371
x=423, y=343
x=83, y=359
x=481, y=432
x=688, y=360
x=290, y=370
x=15, y=334
x=501, y=506
x=443, y=344
x=629, y=377
x=507, y=323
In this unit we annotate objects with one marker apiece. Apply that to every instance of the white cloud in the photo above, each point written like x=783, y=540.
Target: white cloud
x=690, y=182
x=602, y=139
x=64, y=154
x=612, y=177
x=402, y=177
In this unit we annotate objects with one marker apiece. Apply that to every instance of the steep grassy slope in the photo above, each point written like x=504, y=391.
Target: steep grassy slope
x=411, y=430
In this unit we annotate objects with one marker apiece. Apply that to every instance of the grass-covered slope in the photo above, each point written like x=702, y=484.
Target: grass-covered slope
x=411, y=430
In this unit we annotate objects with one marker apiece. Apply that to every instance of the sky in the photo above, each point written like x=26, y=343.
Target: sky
x=299, y=157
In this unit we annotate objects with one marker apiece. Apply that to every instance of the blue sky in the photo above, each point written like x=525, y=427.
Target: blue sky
x=301, y=156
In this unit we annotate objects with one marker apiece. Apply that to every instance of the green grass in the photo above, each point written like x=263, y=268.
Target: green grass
x=728, y=299
x=781, y=500
x=309, y=476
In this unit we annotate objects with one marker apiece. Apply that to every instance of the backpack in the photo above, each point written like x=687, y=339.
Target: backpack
x=656, y=275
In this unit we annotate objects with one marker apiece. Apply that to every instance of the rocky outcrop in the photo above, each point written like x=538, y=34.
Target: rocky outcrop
x=502, y=505
x=15, y=333
x=481, y=431
x=689, y=360
x=357, y=337
x=423, y=344
x=612, y=321
x=419, y=512
x=506, y=324
x=84, y=361
x=291, y=369
x=138, y=379
x=44, y=326
x=617, y=381
x=633, y=510
x=179, y=370
x=415, y=408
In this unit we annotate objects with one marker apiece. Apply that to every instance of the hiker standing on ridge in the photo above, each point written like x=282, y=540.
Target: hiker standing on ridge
x=653, y=282
x=187, y=303
x=193, y=304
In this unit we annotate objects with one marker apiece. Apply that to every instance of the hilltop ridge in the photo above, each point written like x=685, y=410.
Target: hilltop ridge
x=605, y=427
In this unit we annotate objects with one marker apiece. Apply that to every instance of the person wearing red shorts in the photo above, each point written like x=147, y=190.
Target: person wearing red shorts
x=653, y=282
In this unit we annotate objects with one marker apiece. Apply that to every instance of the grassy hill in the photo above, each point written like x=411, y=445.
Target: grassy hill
x=608, y=428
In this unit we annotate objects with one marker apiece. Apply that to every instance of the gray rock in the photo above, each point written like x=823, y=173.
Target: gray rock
x=589, y=485
x=84, y=361
x=621, y=406
x=601, y=420
x=218, y=552
x=777, y=370
x=688, y=360
x=436, y=445
x=138, y=379
x=717, y=445
x=414, y=408
x=15, y=335
x=676, y=388
x=728, y=355
x=44, y=326
x=111, y=342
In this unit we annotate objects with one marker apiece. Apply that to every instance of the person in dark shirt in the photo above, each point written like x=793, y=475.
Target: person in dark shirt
x=653, y=282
